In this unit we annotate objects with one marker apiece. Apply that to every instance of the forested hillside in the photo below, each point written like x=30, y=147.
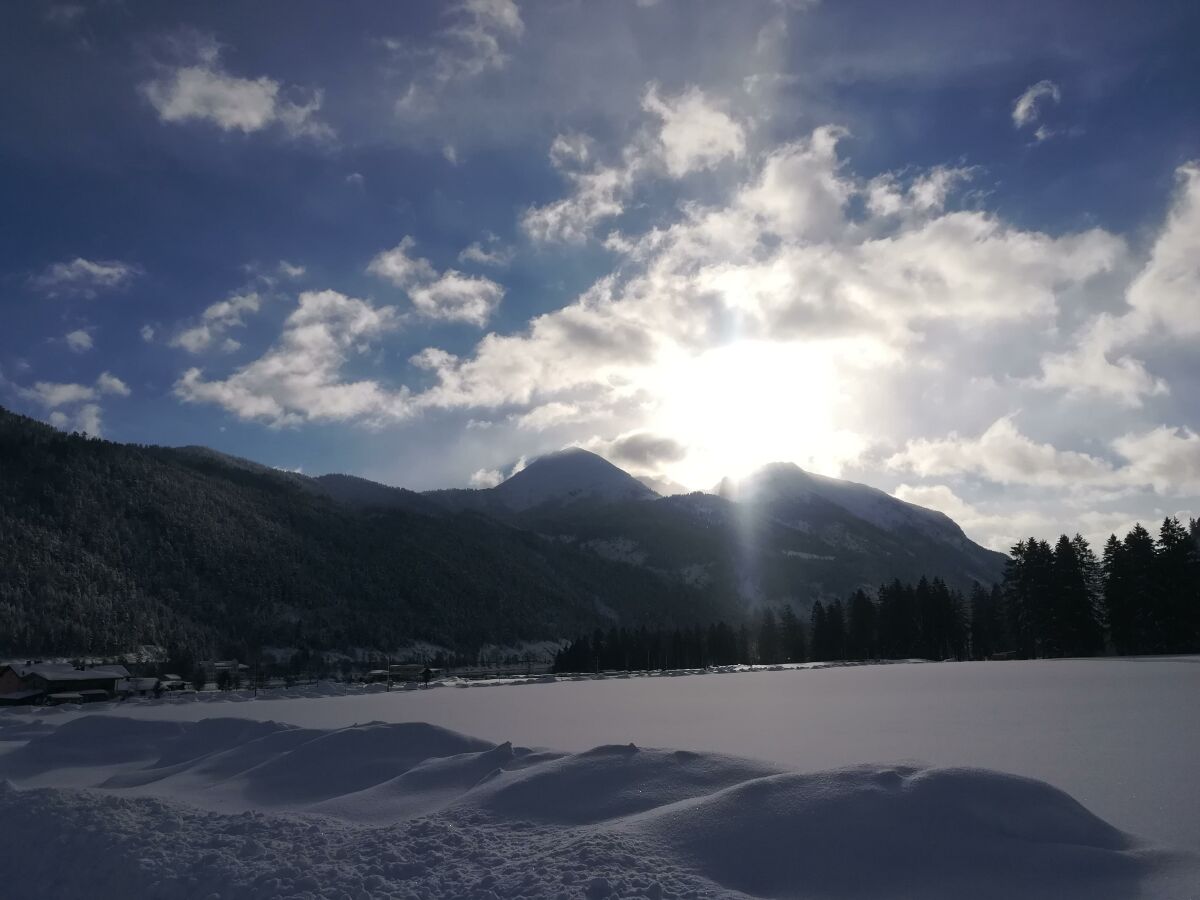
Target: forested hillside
x=104, y=546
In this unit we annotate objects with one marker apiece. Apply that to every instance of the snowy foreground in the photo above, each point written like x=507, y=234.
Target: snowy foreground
x=220, y=799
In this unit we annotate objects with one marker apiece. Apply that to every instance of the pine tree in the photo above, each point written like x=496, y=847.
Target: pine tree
x=897, y=621
x=861, y=642
x=985, y=623
x=1139, y=575
x=769, y=651
x=820, y=633
x=1176, y=587
x=1073, y=627
x=1116, y=609
x=792, y=634
x=835, y=617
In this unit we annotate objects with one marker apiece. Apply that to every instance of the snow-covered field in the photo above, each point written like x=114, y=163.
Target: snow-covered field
x=1033, y=779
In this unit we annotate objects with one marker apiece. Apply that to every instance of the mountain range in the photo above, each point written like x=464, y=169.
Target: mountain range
x=104, y=546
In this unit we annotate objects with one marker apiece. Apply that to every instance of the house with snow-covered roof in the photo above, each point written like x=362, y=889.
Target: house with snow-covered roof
x=64, y=682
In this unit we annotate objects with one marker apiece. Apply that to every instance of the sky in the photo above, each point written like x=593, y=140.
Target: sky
x=948, y=249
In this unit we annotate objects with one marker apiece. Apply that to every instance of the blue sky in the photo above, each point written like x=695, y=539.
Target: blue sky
x=948, y=249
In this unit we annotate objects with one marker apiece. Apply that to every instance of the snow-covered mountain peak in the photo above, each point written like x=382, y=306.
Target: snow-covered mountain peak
x=566, y=476
x=781, y=486
x=772, y=481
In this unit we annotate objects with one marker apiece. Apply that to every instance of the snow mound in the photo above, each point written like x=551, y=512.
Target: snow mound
x=427, y=787
x=900, y=831
x=607, y=783
x=239, y=808
x=351, y=759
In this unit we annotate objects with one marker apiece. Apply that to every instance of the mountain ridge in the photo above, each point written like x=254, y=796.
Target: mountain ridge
x=808, y=529
x=104, y=545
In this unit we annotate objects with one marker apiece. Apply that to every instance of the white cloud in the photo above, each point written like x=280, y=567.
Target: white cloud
x=694, y=134
x=86, y=420
x=1027, y=107
x=52, y=394
x=1089, y=367
x=474, y=43
x=84, y=277
x=216, y=320
x=400, y=268
x=1163, y=301
x=486, y=478
x=147, y=333
x=597, y=195
x=475, y=39
x=108, y=383
x=689, y=134
x=1167, y=459
x=489, y=252
x=193, y=340
x=1004, y=455
x=72, y=407
x=449, y=296
x=301, y=378
x=79, y=340
x=289, y=270
x=926, y=193
x=1164, y=459
x=1166, y=293
x=571, y=152
x=457, y=297
x=800, y=192
x=205, y=92
x=549, y=415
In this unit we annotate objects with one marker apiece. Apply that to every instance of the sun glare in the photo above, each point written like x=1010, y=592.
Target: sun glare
x=749, y=403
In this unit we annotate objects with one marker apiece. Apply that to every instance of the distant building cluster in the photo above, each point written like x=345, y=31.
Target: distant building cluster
x=42, y=683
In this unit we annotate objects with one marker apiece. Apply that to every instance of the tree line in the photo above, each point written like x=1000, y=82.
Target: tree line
x=927, y=620
x=1142, y=596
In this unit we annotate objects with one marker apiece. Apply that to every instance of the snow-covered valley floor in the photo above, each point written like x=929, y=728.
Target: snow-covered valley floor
x=1034, y=779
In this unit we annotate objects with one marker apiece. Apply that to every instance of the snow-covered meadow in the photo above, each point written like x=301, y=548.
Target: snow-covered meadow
x=1066, y=778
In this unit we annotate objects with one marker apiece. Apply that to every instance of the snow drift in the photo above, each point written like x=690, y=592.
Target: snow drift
x=235, y=808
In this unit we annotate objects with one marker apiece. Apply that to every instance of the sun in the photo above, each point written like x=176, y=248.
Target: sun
x=741, y=405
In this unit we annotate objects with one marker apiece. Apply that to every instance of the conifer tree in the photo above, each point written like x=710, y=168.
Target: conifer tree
x=820, y=632
x=987, y=633
x=861, y=642
x=792, y=634
x=1072, y=626
x=1176, y=587
x=1139, y=576
x=835, y=619
x=1027, y=596
x=769, y=651
x=1117, y=610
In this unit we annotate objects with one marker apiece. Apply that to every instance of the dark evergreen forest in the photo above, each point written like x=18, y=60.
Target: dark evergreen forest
x=105, y=546
x=1142, y=596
